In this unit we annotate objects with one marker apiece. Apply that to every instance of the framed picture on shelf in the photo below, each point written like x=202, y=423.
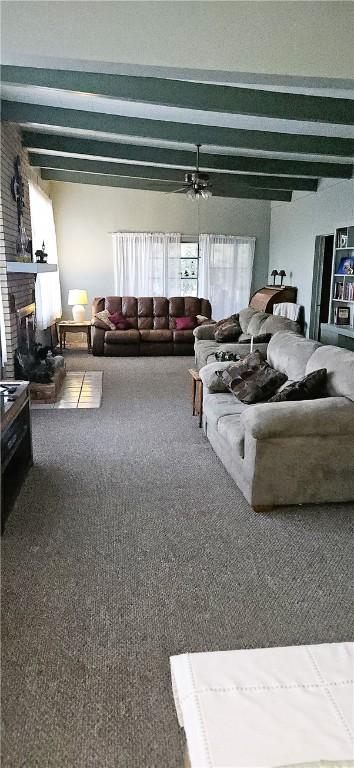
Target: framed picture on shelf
x=343, y=240
x=342, y=316
x=346, y=266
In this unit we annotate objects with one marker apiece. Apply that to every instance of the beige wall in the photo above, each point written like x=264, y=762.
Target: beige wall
x=85, y=216
x=294, y=227
x=286, y=38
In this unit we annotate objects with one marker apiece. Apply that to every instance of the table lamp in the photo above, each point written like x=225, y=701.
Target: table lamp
x=77, y=298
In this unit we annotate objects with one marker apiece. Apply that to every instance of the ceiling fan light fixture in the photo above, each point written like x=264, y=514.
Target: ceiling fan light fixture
x=191, y=194
x=206, y=193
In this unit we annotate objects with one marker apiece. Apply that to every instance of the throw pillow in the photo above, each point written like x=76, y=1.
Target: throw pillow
x=231, y=319
x=252, y=379
x=263, y=338
x=228, y=332
x=120, y=322
x=185, y=323
x=104, y=318
x=202, y=319
x=309, y=388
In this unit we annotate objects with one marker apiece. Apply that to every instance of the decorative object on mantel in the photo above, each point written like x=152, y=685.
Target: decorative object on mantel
x=282, y=274
x=274, y=274
x=41, y=255
x=78, y=298
x=23, y=243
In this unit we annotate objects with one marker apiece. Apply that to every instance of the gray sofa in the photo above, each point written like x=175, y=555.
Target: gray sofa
x=253, y=323
x=288, y=452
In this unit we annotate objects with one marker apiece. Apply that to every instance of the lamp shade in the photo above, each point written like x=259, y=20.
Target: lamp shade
x=77, y=296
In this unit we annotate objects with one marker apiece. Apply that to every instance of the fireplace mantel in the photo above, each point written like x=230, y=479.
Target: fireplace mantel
x=30, y=267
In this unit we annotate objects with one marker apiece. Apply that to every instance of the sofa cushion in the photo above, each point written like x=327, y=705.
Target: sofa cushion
x=122, y=337
x=183, y=337
x=289, y=352
x=275, y=323
x=160, y=306
x=309, y=388
x=252, y=380
x=245, y=317
x=155, y=335
x=221, y=404
x=340, y=369
x=256, y=322
x=145, y=306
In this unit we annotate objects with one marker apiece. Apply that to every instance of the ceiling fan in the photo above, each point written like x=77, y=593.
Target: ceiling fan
x=196, y=184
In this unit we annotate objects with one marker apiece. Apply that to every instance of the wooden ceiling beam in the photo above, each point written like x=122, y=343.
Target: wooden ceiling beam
x=187, y=95
x=183, y=158
x=180, y=133
x=126, y=182
x=226, y=180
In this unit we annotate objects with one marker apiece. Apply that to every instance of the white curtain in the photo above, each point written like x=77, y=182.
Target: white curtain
x=141, y=262
x=225, y=271
x=48, y=299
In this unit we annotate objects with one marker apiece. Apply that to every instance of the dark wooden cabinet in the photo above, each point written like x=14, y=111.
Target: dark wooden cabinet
x=16, y=444
x=264, y=299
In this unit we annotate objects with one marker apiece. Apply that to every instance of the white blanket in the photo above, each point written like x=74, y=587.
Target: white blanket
x=287, y=309
x=266, y=707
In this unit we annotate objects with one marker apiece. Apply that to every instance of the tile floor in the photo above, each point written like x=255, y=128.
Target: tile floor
x=81, y=389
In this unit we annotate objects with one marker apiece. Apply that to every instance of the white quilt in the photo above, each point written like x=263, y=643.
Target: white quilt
x=266, y=707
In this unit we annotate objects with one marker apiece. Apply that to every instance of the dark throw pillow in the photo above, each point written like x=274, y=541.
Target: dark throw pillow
x=120, y=322
x=263, y=338
x=309, y=388
x=225, y=321
x=228, y=332
x=252, y=379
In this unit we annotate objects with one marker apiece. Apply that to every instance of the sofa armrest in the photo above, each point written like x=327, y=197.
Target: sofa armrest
x=100, y=324
x=327, y=416
x=204, y=332
x=97, y=339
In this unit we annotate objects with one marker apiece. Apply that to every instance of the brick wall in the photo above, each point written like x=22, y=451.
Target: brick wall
x=17, y=289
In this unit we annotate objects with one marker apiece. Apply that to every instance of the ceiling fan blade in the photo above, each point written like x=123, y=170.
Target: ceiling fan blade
x=173, y=191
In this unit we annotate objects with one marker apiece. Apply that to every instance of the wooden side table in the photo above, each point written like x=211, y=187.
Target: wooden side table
x=197, y=394
x=69, y=326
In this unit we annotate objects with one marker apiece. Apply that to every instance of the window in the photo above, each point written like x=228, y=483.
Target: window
x=183, y=269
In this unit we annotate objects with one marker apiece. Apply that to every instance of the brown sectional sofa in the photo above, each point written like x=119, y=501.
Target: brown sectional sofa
x=153, y=325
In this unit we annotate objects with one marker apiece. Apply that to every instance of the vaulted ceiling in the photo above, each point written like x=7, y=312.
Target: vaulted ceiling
x=258, y=141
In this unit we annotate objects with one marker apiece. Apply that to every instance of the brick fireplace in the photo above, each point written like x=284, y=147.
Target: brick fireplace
x=17, y=288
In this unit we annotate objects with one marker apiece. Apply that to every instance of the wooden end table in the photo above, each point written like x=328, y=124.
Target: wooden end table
x=197, y=396
x=70, y=326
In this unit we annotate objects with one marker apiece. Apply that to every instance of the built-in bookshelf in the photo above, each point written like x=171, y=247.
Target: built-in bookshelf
x=341, y=308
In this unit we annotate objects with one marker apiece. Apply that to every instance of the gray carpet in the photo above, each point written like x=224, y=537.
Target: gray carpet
x=129, y=543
